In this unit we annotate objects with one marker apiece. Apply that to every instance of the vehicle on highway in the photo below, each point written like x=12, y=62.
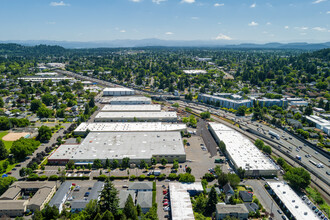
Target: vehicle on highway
x=298, y=157
x=328, y=173
x=313, y=162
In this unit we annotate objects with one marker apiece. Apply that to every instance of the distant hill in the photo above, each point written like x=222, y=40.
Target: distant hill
x=172, y=43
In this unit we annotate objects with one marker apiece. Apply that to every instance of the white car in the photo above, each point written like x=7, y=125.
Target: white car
x=275, y=178
x=167, y=209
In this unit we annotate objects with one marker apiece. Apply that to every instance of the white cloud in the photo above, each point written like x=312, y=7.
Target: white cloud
x=328, y=12
x=218, y=4
x=319, y=29
x=188, y=1
x=253, y=24
x=50, y=22
x=301, y=28
x=223, y=37
x=158, y=1
x=318, y=1
x=194, y=18
x=268, y=23
x=286, y=27
x=122, y=31
x=135, y=0
x=61, y=3
x=253, y=5
x=219, y=23
x=169, y=33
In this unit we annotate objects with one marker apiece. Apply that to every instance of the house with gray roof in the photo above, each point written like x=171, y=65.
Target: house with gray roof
x=238, y=211
x=61, y=196
x=123, y=195
x=140, y=186
x=144, y=199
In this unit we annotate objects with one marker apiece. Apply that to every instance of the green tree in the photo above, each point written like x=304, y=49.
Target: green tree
x=308, y=110
x=222, y=146
x=233, y=179
x=3, y=151
x=241, y=110
x=153, y=161
x=175, y=164
x=267, y=149
x=97, y=163
x=78, y=140
x=2, y=103
x=44, y=133
x=298, y=177
x=259, y=143
x=142, y=164
x=44, y=112
x=37, y=215
x=241, y=172
x=205, y=115
x=188, y=170
x=22, y=172
x=200, y=203
x=125, y=162
x=109, y=198
x=129, y=209
x=212, y=201
x=115, y=164
x=50, y=212
x=222, y=179
x=163, y=161
x=47, y=99
x=91, y=102
x=35, y=105
x=107, y=215
x=327, y=106
x=186, y=178
x=139, y=210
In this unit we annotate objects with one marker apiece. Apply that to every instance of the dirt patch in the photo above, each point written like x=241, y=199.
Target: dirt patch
x=14, y=136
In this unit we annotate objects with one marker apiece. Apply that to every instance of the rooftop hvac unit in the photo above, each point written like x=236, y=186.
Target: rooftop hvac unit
x=284, y=192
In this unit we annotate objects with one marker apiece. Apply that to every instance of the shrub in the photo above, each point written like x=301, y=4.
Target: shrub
x=43, y=178
x=53, y=178
x=132, y=177
x=172, y=176
x=142, y=177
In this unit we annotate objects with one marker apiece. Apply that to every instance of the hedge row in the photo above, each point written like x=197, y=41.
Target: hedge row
x=54, y=178
x=141, y=177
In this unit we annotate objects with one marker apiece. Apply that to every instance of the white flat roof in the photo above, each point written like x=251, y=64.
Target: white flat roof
x=244, y=153
x=292, y=201
x=194, y=71
x=181, y=207
x=118, y=145
x=46, y=74
x=137, y=115
x=126, y=99
x=131, y=108
x=130, y=126
x=117, y=89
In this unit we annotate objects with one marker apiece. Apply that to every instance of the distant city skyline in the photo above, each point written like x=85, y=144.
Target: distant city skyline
x=226, y=21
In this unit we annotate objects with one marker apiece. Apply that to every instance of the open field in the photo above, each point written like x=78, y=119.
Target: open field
x=6, y=142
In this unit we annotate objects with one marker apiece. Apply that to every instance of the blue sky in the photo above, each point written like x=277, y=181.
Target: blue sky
x=228, y=21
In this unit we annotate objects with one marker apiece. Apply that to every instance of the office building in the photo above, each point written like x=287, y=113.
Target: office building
x=224, y=102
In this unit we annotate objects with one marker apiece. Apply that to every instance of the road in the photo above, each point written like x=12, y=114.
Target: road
x=209, y=141
x=265, y=199
x=15, y=173
x=290, y=147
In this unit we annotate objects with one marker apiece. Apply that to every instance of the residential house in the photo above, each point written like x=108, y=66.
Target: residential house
x=238, y=211
x=246, y=196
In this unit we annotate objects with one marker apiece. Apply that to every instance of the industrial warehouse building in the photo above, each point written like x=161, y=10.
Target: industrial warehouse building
x=131, y=108
x=242, y=152
x=135, y=116
x=118, y=145
x=293, y=205
x=84, y=128
x=118, y=91
x=181, y=207
x=127, y=100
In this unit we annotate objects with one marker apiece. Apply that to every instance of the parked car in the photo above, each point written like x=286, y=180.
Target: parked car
x=86, y=194
x=125, y=186
x=165, y=204
x=279, y=211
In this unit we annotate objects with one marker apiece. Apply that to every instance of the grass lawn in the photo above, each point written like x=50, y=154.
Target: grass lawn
x=240, y=188
x=7, y=143
x=315, y=195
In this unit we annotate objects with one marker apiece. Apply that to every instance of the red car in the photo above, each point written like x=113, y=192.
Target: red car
x=165, y=200
x=164, y=192
x=165, y=204
x=9, y=173
x=73, y=184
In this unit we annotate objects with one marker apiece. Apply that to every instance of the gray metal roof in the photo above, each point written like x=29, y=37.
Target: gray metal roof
x=144, y=199
x=59, y=195
x=123, y=195
x=140, y=186
x=96, y=190
x=79, y=204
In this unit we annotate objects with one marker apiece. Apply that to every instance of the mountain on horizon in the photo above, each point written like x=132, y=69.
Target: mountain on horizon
x=153, y=42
